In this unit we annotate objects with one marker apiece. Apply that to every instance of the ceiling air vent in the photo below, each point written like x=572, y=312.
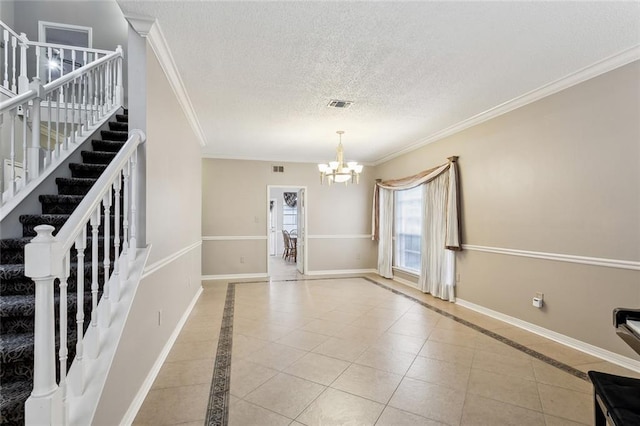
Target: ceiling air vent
x=335, y=103
x=278, y=169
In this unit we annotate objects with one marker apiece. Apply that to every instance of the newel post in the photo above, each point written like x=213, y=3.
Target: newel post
x=35, y=154
x=119, y=87
x=23, y=79
x=44, y=406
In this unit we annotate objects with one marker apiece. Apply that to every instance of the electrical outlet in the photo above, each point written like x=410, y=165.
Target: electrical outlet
x=357, y=256
x=241, y=259
x=159, y=317
x=458, y=277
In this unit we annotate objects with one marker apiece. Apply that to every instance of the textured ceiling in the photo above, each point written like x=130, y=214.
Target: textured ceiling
x=259, y=74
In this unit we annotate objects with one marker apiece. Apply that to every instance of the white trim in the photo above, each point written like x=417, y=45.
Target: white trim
x=339, y=236
x=605, y=65
x=159, y=45
x=342, y=272
x=233, y=237
x=406, y=282
x=406, y=271
x=42, y=25
x=164, y=262
x=595, y=261
x=587, y=348
x=131, y=413
x=234, y=276
x=276, y=160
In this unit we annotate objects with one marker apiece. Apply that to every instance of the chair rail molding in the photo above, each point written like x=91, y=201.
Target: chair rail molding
x=594, y=261
x=339, y=236
x=233, y=237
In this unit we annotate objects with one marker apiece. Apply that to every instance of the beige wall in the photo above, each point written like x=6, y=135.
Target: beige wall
x=173, y=231
x=561, y=175
x=235, y=203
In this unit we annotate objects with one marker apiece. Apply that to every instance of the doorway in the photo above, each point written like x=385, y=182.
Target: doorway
x=287, y=213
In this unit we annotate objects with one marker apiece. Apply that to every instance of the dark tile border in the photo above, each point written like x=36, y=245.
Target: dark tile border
x=218, y=409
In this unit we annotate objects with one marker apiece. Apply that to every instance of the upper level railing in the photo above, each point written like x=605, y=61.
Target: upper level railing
x=23, y=60
x=47, y=122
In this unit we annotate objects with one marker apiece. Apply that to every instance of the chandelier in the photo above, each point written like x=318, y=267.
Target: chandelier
x=337, y=171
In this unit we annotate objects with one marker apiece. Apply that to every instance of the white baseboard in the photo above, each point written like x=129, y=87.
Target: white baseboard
x=234, y=276
x=341, y=272
x=131, y=413
x=587, y=348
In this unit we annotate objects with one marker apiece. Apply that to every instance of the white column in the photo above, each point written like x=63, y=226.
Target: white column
x=44, y=406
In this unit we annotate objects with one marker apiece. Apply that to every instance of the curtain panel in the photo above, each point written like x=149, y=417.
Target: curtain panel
x=441, y=226
x=291, y=199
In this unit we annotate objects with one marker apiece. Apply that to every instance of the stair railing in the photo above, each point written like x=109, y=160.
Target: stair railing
x=50, y=60
x=64, y=111
x=49, y=258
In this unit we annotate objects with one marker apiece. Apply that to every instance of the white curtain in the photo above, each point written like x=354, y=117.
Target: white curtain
x=385, y=245
x=441, y=224
x=437, y=262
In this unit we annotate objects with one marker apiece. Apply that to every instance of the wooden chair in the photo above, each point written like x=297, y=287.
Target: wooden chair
x=287, y=244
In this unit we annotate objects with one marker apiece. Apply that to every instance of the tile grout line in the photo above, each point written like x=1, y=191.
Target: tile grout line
x=535, y=354
x=219, y=396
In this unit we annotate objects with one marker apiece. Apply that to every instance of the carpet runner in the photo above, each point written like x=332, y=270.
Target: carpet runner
x=17, y=293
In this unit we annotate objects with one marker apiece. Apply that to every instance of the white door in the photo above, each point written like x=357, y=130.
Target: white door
x=302, y=232
x=273, y=225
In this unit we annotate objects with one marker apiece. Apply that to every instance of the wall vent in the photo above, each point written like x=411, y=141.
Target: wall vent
x=335, y=103
x=278, y=169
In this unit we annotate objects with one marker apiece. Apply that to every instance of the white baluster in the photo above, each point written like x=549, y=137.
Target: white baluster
x=23, y=79
x=44, y=404
x=124, y=265
x=5, y=38
x=14, y=44
x=108, y=85
x=119, y=87
x=116, y=289
x=106, y=295
x=63, y=140
x=65, y=99
x=74, y=107
x=12, y=188
x=38, y=54
x=61, y=62
x=34, y=150
x=93, y=338
x=51, y=152
x=50, y=64
x=58, y=141
x=64, y=351
x=133, y=245
x=80, y=245
x=25, y=160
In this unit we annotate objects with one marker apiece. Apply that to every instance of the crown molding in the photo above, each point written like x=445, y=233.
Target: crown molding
x=160, y=47
x=141, y=24
x=605, y=65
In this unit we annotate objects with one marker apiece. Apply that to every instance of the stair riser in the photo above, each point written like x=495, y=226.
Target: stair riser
x=85, y=172
x=109, y=135
x=25, y=286
x=106, y=146
x=119, y=126
x=74, y=189
x=90, y=157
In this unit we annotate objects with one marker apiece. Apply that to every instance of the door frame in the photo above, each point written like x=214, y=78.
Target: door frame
x=305, y=260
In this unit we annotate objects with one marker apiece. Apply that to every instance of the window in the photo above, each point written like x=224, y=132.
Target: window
x=289, y=218
x=408, y=228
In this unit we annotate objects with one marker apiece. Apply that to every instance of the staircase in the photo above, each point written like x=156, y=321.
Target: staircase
x=17, y=296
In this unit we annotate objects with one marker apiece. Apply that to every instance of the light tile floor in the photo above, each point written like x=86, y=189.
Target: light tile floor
x=341, y=351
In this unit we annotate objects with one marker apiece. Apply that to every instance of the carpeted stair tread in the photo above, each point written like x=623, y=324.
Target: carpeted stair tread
x=122, y=118
x=97, y=157
x=12, y=249
x=119, y=126
x=15, y=345
x=12, y=400
x=114, y=135
x=87, y=170
x=74, y=186
x=106, y=146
